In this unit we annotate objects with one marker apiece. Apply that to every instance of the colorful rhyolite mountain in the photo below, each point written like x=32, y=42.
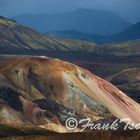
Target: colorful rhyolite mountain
x=42, y=93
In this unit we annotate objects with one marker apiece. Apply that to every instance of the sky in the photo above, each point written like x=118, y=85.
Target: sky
x=128, y=9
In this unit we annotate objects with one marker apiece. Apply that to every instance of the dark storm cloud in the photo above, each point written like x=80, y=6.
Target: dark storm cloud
x=128, y=9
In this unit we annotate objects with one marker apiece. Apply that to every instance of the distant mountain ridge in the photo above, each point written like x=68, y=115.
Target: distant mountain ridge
x=83, y=20
x=15, y=36
x=129, y=34
x=74, y=34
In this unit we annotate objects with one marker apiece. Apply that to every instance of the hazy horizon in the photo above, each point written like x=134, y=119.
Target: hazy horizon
x=127, y=9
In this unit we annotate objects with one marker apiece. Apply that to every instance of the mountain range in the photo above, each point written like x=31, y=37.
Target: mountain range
x=38, y=94
x=15, y=36
x=83, y=20
x=131, y=33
